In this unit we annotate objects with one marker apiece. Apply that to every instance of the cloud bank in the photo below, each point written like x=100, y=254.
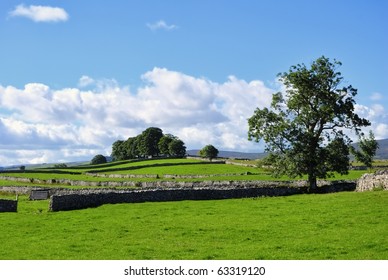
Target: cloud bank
x=40, y=13
x=39, y=124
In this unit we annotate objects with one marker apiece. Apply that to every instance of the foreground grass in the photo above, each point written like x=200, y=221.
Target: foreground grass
x=332, y=226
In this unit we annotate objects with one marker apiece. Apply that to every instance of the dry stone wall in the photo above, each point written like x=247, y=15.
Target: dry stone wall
x=92, y=198
x=375, y=181
x=7, y=205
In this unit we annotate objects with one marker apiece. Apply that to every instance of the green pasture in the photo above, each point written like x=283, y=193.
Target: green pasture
x=190, y=167
x=346, y=225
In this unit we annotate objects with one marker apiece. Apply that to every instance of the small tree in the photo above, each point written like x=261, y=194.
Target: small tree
x=98, y=159
x=209, y=151
x=368, y=148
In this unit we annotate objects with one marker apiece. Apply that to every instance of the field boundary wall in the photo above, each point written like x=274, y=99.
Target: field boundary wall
x=94, y=198
x=7, y=205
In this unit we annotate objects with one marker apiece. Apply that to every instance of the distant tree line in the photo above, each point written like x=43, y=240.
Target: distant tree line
x=151, y=142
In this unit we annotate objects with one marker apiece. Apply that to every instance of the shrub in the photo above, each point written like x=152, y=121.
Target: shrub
x=98, y=159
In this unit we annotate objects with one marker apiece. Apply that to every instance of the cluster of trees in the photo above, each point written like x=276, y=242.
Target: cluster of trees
x=151, y=142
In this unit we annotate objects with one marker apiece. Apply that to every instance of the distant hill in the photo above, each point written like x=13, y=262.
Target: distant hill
x=382, y=152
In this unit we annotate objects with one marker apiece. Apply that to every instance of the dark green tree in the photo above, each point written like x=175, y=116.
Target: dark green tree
x=367, y=149
x=177, y=148
x=131, y=147
x=164, y=143
x=98, y=159
x=118, y=150
x=209, y=151
x=148, y=141
x=304, y=128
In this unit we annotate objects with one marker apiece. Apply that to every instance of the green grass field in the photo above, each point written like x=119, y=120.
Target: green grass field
x=331, y=226
x=159, y=167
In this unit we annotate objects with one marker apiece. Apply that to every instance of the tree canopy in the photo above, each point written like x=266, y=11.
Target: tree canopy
x=305, y=127
x=151, y=142
x=98, y=159
x=209, y=151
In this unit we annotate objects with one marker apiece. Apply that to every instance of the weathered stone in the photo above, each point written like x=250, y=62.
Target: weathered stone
x=154, y=192
x=39, y=194
x=377, y=180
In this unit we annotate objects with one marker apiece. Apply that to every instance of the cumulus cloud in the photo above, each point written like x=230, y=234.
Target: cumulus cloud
x=72, y=123
x=41, y=124
x=85, y=81
x=161, y=24
x=378, y=116
x=40, y=13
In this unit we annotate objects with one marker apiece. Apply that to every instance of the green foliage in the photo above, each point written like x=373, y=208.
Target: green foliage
x=209, y=151
x=349, y=226
x=118, y=151
x=148, y=145
x=151, y=142
x=368, y=148
x=164, y=143
x=303, y=129
x=98, y=159
x=177, y=148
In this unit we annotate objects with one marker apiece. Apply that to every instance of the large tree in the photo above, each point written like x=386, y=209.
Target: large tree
x=304, y=128
x=177, y=148
x=148, y=141
x=164, y=143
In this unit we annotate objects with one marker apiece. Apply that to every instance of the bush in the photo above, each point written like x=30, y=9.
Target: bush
x=60, y=165
x=98, y=159
x=209, y=151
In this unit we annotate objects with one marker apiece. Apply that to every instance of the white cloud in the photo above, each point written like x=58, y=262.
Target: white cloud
x=161, y=24
x=378, y=117
x=40, y=124
x=85, y=81
x=376, y=96
x=40, y=13
x=75, y=123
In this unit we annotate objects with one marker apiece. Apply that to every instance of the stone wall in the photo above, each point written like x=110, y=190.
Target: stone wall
x=375, y=181
x=8, y=205
x=93, y=198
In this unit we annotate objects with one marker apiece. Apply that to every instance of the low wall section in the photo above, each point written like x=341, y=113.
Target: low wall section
x=374, y=181
x=8, y=205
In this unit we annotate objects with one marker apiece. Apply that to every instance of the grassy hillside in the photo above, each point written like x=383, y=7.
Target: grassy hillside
x=332, y=226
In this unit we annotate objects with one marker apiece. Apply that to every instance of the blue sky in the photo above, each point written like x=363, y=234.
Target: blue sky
x=77, y=75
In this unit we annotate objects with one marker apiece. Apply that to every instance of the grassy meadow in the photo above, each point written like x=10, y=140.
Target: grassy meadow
x=331, y=226
x=159, y=167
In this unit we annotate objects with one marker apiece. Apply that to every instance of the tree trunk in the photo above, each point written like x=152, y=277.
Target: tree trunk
x=312, y=182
